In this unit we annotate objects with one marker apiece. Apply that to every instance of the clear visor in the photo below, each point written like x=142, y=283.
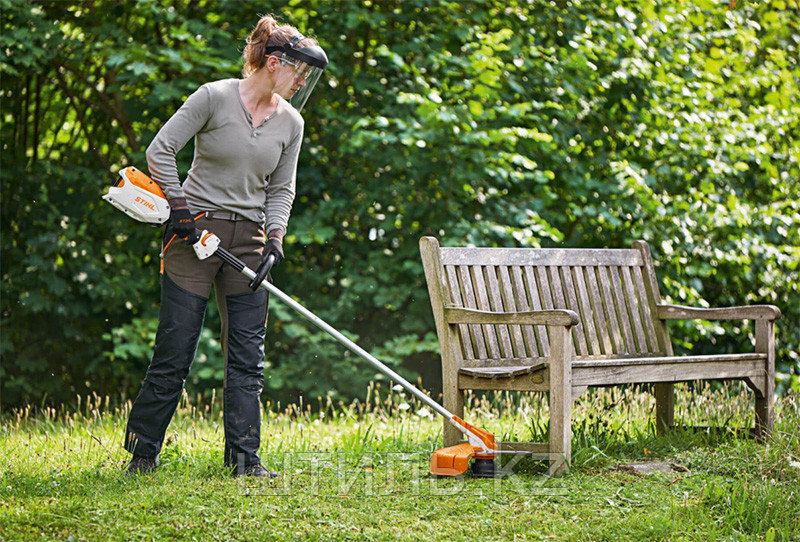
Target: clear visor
x=296, y=81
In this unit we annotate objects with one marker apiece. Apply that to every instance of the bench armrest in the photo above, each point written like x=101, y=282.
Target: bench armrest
x=751, y=312
x=557, y=317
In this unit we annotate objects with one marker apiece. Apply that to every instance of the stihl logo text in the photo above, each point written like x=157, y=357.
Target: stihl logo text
x=145, y=203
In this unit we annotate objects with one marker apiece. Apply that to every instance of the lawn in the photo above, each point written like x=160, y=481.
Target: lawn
x=359, y=472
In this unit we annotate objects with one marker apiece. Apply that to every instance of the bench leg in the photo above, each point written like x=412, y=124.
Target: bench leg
x=560, y=398
x=454, y=402
x=665, y=406
x=765, y=401
x=765, y=417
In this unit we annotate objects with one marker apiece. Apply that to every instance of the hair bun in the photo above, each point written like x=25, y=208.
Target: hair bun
x=266, y=30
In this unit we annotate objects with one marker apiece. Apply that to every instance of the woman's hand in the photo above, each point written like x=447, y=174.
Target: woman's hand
x=181, y=219
x=274, y=245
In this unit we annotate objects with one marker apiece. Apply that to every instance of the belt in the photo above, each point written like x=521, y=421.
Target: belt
x=225, y=215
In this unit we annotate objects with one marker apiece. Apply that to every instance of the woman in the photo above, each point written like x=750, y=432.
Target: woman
x=241, y=185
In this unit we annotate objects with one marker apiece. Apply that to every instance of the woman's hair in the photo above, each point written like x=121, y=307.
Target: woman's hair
x=266, y=34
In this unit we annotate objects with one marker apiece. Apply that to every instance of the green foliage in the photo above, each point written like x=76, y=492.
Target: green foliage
x=499, y=123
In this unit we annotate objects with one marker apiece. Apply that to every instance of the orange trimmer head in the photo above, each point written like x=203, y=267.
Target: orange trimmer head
x=454, y=460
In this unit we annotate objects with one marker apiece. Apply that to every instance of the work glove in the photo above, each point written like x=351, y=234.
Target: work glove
x=274, y=246
x=181, y=219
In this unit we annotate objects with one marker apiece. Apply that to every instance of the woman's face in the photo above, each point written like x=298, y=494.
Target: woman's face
x=290, y=76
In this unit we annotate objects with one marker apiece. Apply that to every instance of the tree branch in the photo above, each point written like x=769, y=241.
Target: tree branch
x=83, y=124
x=112, y=107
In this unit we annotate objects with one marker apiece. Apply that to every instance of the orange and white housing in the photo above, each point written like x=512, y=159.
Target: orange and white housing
x=138, y=196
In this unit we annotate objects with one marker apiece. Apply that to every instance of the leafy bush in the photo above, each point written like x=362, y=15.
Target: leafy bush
x=500, y=123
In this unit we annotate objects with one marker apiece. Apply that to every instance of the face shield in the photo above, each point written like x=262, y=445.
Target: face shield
x=301, y=68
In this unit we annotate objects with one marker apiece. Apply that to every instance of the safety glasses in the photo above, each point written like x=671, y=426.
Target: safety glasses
x=301, y=68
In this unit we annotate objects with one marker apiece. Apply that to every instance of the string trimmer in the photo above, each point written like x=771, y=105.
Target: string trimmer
x=140, y=197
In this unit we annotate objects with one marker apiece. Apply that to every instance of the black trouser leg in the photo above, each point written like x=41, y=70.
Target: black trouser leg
x=243, y=337
x=180, y=322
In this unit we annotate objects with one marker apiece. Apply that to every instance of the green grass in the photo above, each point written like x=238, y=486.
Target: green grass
x=359, y=472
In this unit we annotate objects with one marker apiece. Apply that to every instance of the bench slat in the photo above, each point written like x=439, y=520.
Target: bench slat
x=611, y=312
x=672, y=369
x=658, y=360
x=650, y=329
x=456, y=300
x=634, y=310
x=468, y=294
x=511, y=304
x=653, y=300
x=541, y=299
x=496, y=300
x=622, y=310
x=601, y=319
x=585, y=372
x=539, y=257
x=553, y=279
x=502, y=372
x=587, y=313
x=489, y=332
x=529, y=332
x=579, y=331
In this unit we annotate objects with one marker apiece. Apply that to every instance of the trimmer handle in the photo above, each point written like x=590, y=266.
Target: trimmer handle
x=262, y=271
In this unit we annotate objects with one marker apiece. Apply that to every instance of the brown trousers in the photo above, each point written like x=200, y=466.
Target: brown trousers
x=186, y=285
x=242, y=238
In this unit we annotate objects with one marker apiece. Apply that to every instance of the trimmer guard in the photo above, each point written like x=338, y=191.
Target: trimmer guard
x=452, y=461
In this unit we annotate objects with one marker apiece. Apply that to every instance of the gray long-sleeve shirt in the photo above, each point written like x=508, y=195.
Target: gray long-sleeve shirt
x=237, y=167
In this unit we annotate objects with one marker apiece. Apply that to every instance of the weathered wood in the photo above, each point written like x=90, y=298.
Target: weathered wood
x=751, y=312
x=502, y=372
x=666, y=360
x=654, y=297
x=765, y=403
x=665, y=372
x=633, y=310
x=622, y=310
x=540, y=256
x=510, y=362
x=532, y=382
x=610, y=311
x=647, y=318
x=664, y=391
x=468, y=296
x=450, y=351
x=541, y=300
x=560, y=320
x=496, y=301
x=665, y=406
x=464, y=332
x=514, y=289
x=482, y=297
x=560, y=395
x=587, y=314
x=563, y=281
x=559, y=317
x=600, y=319
x=509, y=303
x=550, y=284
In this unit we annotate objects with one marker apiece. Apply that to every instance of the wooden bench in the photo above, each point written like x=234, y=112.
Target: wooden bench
x=560, y=320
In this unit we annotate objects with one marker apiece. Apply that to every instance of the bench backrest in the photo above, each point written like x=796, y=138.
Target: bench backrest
x=614, y=292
